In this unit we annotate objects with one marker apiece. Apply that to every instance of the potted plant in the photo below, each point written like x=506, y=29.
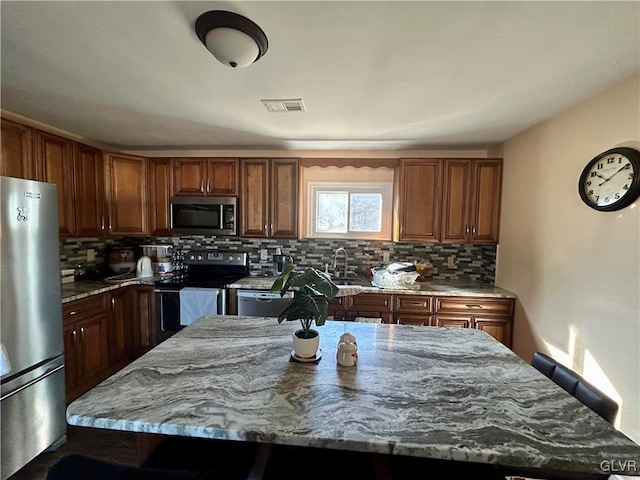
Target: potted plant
x=312, y=290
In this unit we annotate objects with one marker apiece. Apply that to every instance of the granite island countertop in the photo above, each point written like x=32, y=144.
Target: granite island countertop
x=422, y=391
x=432, y=287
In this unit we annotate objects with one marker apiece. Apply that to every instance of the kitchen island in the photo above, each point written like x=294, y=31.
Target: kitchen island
x=420, y=391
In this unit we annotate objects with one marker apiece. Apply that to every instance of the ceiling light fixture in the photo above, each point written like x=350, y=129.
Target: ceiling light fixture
x=233, y=39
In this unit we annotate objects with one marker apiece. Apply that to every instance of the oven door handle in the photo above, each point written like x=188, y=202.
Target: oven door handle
x=162, y=290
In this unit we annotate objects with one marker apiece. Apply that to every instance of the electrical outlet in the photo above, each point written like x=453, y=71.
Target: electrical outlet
x=91, y=255
x=263, y=254
x=451, y=261
x=385, y=257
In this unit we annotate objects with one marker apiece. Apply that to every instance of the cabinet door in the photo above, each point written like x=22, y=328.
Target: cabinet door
x=485, y=205
x=54, y=164
x=128, y=195
x=144, y=334
x=452, y=321
x=254, y=198
x=17, y=151
x=222, y=176
x=284, y=199
x=420, y=196
x=120, y=334
x=70, y=337
x=89, y=191
x=93, y=346
x=498, y=328
x=456, y=227
x=189, y=176
x=160, y=188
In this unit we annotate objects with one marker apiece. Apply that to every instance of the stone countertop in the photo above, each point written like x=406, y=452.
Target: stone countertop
x=432, y=288
x=85, y=288
x=422, y=391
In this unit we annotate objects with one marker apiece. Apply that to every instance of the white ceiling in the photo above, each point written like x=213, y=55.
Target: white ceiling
x=371, y=74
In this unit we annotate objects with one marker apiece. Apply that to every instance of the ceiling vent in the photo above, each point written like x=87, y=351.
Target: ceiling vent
x=288, y=105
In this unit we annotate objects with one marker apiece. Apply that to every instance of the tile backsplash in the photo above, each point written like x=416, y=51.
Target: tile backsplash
x=470, y=262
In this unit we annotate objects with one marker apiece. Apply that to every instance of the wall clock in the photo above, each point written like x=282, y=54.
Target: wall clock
x=611, y=180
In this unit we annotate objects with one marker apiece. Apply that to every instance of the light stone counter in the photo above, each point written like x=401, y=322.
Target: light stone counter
x=85, y=288
x=432, y=288
x=421, y=391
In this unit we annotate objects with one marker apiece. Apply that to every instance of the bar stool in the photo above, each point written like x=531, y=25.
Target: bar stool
x=175, y=458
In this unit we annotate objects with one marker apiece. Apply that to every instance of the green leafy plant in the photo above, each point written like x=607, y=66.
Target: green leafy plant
x=312, y=290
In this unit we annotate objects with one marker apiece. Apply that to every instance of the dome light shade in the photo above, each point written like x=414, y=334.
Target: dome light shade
x=233, y=39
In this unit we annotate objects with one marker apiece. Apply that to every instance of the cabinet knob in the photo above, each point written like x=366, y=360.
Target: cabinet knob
x=473, y=232
x=102, y=222
x=473, y=305
x=202, y=185
x=208, y=186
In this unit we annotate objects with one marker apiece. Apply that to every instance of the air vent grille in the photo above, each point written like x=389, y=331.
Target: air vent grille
x=284, y=105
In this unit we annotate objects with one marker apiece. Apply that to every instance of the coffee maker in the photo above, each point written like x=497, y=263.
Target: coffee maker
x=280, y=262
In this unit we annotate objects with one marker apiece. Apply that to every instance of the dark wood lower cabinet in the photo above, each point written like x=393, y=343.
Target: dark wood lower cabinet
x=145, y=336
x=365, y=305
x=103, y=333
x=86, y=344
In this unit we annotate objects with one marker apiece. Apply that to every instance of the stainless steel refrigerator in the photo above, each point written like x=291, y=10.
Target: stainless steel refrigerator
x=32, y=397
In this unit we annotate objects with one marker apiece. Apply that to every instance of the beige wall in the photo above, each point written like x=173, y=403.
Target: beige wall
x=576, y=271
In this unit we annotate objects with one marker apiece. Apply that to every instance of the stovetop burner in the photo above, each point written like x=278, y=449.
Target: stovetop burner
x=209, y=269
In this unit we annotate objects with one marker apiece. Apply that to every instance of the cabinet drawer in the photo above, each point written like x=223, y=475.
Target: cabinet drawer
x=370, y=302
x=413, y=319
x=85, y=307
x=474, y=305
x=413, y=303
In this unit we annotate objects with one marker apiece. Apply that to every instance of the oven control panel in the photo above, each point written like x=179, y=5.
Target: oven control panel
x=218, y=257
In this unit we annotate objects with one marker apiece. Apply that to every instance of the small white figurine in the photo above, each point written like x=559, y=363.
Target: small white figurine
x=347, y=355
x=348, y=337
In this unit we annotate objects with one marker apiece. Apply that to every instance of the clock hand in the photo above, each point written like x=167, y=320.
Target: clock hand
x=607, y=179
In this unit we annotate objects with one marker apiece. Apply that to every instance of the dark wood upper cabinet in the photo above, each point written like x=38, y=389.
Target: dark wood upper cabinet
x=418, y=200
x=128, y=196
x=17, y=151
x=89, y=191
x=254, y=197
x=284, y=198
x=471, y=200
x=269, y=198
x=54, y=164
x=205, y=176
x=160, y=188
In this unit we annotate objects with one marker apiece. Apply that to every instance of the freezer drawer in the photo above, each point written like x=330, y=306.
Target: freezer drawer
x=33, y=418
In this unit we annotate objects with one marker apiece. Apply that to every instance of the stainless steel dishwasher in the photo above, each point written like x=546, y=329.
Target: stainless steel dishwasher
x=258, y=303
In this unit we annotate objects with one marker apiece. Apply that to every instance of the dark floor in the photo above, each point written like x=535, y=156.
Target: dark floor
x=109, y=445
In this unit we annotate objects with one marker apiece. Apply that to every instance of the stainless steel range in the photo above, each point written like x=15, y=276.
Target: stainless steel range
x=198, y=290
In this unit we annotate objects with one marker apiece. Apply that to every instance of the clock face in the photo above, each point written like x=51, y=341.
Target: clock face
x=611, y=180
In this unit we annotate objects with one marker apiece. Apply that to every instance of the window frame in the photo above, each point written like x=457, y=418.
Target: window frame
x=385, y=189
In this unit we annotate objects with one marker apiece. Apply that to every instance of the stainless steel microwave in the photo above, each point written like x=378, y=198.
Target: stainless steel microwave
x=204, y=215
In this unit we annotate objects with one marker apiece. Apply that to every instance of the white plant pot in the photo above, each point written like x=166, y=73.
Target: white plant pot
x=306, y=347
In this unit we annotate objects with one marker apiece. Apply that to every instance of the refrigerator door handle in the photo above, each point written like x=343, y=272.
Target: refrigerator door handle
x=48, y=372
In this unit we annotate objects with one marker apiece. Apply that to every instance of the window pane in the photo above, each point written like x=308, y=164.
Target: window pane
x=331, y=212
x=366, y=212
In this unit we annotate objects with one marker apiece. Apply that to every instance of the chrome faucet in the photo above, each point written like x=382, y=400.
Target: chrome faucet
x=335, y=260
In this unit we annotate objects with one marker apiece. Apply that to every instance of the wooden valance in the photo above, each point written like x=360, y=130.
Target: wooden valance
x=350, y=162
